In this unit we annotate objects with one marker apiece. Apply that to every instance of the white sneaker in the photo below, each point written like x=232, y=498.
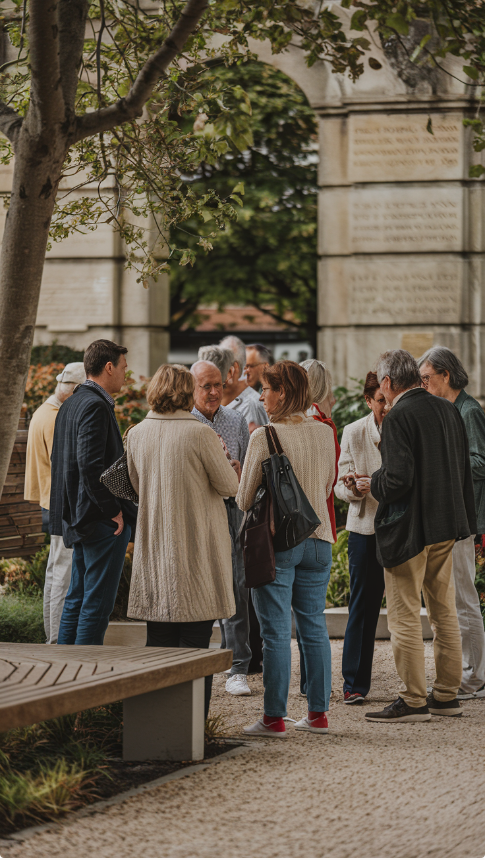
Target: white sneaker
x=480, y=694
x=237, y=685
x=260, y=730
x=318, y=726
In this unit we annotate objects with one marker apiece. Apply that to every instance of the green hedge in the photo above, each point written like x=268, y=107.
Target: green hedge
x=21, y=619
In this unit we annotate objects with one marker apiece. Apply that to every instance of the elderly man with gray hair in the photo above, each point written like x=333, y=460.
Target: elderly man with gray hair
x=238, y=395
x=425, y=494
x=38, y=489
x=443, y=375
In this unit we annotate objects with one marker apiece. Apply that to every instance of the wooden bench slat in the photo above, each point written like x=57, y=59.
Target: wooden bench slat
x=6, y=669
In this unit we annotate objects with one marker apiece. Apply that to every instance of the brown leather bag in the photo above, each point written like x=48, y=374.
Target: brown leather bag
x=257, y=541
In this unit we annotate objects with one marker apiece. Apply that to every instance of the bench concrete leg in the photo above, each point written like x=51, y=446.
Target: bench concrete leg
x=165, y=724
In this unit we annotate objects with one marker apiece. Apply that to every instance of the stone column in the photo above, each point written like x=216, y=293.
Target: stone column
x=401, y=236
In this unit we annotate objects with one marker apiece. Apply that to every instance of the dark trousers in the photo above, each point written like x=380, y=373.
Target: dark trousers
x=366, y=592
x=182, y=634
x=97, y=564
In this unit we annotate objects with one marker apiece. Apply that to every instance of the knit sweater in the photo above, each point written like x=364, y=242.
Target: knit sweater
x=182, y=568
x=310, y=448
x=39, y=449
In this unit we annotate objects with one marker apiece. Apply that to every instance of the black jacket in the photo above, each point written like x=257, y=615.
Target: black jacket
x=86, y=441
x=424, y=486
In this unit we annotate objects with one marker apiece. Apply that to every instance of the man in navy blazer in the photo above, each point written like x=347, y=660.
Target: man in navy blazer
x=95, y=523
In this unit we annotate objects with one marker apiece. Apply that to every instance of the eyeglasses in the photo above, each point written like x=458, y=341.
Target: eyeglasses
x=426, y=377
x=251, y=366
x=208, y=388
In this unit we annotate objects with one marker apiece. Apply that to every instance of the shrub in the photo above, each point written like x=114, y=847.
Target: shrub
x=41, y=383
x=130, y=404
x=350, y=405
x=55, y=352
x=22, y=575
x=21, y=618
x=338, y=592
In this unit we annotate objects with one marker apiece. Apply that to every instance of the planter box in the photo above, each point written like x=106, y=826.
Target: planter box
x=337, y=623
x=133, y=634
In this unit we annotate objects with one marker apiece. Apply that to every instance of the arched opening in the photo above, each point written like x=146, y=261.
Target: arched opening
x=260, y=279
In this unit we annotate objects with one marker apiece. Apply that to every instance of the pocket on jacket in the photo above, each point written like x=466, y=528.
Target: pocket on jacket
x=393, y=535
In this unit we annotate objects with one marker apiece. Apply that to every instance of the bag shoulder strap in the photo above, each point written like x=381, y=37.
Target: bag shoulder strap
x=274, y=444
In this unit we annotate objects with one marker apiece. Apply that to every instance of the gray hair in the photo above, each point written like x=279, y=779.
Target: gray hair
x=319, y=379
x=222, y=358
x=401, y=368
x=263, y=352
x=237, y=348
x=444, y=360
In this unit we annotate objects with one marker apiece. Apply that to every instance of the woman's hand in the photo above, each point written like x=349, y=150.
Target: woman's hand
x=349, y=481
x=237, y=468
x=362, y=482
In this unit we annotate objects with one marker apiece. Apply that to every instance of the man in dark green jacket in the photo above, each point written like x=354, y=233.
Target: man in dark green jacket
x=443, y=374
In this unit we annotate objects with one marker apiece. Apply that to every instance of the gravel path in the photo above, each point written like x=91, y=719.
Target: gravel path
x=363, y=790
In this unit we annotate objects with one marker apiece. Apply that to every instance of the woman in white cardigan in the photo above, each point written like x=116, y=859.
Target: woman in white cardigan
x=182, y=568
x=359, y=457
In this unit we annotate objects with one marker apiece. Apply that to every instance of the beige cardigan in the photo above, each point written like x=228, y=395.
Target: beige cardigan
x=359, y=449
x=182, y=569
x=310, y=448
x=39, y=449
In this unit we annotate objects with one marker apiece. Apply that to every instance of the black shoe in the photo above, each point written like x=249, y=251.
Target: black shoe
x=444, y=709
x=399, y=712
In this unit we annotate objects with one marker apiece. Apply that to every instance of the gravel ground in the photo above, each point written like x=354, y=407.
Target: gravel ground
x=363, y=790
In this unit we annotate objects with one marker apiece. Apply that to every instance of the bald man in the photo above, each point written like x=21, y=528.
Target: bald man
x=232, y=428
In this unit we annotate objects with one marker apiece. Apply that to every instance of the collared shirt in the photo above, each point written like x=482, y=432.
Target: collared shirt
x=248, y=404
x=414, y=388
x=92, y=384
x=232, y=427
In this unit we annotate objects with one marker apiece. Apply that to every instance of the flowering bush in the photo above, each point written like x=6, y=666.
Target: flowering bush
x=23, y=574
x=130, y=404
x=41, y=383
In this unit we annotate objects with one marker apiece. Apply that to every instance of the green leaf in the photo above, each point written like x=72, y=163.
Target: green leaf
x=476, y=170
x=358, y=20
x=398, y=23
x=239, y=188
x=429, y=126
x=471, y=71
x=374, y=64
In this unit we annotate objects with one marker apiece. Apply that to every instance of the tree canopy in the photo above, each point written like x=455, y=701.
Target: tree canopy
x=267, y=257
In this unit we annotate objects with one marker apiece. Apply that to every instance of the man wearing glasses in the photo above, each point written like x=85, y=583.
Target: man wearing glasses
x=443, y=374
x=232, y=429
x=258, y=357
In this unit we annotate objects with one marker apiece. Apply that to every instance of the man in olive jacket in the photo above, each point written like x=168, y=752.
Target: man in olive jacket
x=444, y=375
x=425, y=493
x=90, y=519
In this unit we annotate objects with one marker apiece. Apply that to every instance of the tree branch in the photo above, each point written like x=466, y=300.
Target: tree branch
x=46, y=108
x=72, y=27
x=10, y=123
x=132, y=105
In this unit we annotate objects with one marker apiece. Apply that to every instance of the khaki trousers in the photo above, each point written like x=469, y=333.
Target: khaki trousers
x=431, y=573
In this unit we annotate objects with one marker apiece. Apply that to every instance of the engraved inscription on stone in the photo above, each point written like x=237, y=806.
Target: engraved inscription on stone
x=404, y=291
x=406, y=219
x=398, y=147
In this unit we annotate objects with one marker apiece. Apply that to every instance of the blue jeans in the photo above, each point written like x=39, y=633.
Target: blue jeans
x=366, y=591
x=97, y=564
x=302, y=576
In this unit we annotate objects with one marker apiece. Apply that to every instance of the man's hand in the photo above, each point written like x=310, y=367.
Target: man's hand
x=119, y=519
x=362, y=483
x=349, y=481
x=237, y=468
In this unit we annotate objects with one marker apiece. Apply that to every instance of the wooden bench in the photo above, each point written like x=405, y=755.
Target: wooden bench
x=162, y=691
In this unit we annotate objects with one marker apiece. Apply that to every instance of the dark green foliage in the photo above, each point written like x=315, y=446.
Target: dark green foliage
x=21, y=618
x=54, y=352
x=23, y=575
x=338, y=592
x=350, y=405
x=267, y=256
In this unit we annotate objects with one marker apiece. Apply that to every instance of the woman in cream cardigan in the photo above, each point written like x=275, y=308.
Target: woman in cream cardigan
x=182, y=569
x=360, y=456
x=302, y=573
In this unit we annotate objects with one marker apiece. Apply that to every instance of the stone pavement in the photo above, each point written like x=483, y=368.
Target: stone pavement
x=363, y=790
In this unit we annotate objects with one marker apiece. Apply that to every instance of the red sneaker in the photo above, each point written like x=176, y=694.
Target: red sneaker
x=273, y=728
x=319, y=725
x=353, y=698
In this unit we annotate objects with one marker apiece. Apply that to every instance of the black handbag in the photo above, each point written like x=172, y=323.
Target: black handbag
x=293, y=516
x=117, y=479
x=257, y=541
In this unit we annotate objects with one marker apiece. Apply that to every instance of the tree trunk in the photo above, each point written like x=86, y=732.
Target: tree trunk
x=36, y=174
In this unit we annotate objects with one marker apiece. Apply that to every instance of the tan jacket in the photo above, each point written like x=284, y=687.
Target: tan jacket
x=182, y=568
x=359, y=451
x=310, y=448
x=39, y=448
